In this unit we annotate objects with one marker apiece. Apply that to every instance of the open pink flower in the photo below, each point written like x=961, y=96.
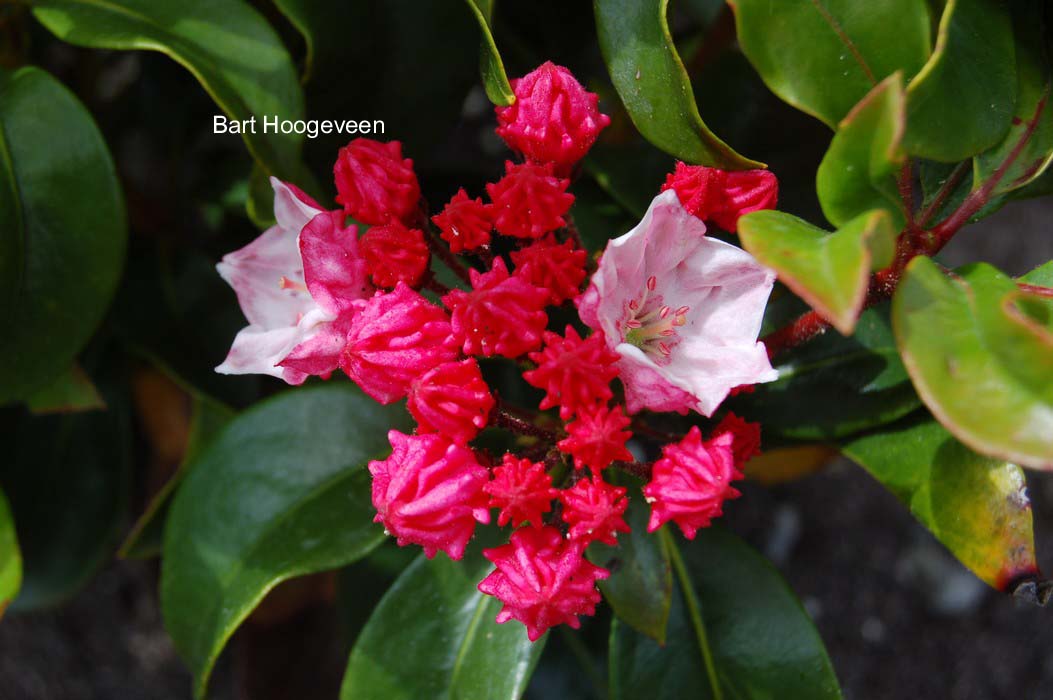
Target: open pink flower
x=543, y=580
x=430, y=492
x=293, y=282
x=682, y=310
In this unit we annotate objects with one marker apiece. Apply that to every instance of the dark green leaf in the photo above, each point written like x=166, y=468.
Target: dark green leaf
x=490, y=64
x=640, y=587
x=859, y=171
x=834, y=386
x=67, y=481
x=283, y=491
x=652, y=82
x=975, y=505
x=69, y=392
x=736, y=631
x=226, y=44
x=208, y=418
x=434, y=636
x=10, y=557
x=1033, y=120
x=631, y=174
x=981, y=363
x=63, y=236
x=830, y=271
x=962, y=102
x=823, y=56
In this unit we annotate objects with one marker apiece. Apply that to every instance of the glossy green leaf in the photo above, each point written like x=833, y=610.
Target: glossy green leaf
x=490, y=64
x=208, y=418
x=736, y=631
x=834, y=386
x=69, y=392
x=67, y=481
x=283, y=491
x=962, y=101
x=981, y=363
x=823, y=56
x=654, y=86
x=975, y=505
x=640, y=587
x=859, y=171
x=226, y=44
x=434, y=636
x=319, y=21
x=10, y=557
x=830, y=271
x=62, y=240
x=1029, y=141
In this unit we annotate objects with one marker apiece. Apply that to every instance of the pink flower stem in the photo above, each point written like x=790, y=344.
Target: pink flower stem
x=436, y=286
x=504, y=416
x=640, y=469
x=438, y=247
x=639, y=426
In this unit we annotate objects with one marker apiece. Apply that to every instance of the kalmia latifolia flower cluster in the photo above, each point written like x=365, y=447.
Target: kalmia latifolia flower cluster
x=669, y=320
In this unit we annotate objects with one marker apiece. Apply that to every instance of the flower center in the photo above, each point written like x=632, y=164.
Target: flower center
x=651, y=324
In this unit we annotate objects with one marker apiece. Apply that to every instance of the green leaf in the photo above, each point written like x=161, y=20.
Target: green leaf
x=651, y=80
x=975, y=505
x=980, y=362
x=823, y=56
x=1029, y=141
x=434, y=636
x=318, y=21
x=491, y=66
x=834, y=386
x=962, y=101
x=208, y=418
x=830, y=271
x=70, y=392
x=859, y=171
x=283, y=491
x=62, y=242
x=640, y=587
x=736, y=631
x=226, y=44
x=10, y=557
x=67, y=480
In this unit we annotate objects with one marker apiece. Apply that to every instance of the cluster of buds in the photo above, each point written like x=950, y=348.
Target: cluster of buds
x=669, y=322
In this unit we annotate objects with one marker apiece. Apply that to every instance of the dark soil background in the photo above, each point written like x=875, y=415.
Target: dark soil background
x=900, y=617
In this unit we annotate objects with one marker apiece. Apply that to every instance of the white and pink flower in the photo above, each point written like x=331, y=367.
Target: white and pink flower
x=294, y=282
x=682, y=311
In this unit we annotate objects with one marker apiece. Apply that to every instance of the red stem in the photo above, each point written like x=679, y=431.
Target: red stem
x=1035, y=289
x=942, y=232
x=800, y=331
x=912, y=243
x=944, y=192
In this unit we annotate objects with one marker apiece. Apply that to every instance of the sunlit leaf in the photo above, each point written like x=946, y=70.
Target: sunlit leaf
x=830, y=271
x=652, y=82
x=981, y=363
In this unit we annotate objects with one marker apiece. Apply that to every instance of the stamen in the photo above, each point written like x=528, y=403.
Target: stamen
x=286, y=283
x=651, y=325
